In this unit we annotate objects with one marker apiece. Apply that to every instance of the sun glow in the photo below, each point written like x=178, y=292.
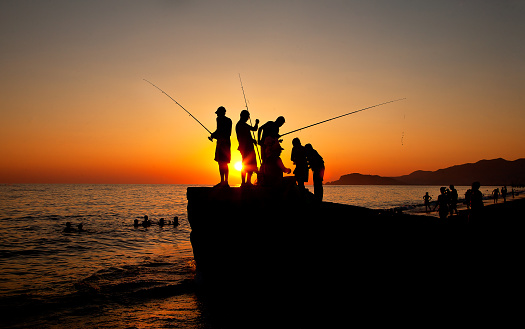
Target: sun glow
x=238, y=165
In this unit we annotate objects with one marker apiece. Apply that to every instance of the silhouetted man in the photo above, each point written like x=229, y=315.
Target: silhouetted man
x=246, y=141
x=269, y=129
x=316, y=163
x=476, y=203
x=453, y=198
x=301, y=164
x=222, y=150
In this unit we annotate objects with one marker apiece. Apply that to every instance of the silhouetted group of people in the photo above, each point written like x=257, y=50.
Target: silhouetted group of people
x=146, y=222
x=448, y=199
x=272, y=167
x=71, y=229
x=496, y=193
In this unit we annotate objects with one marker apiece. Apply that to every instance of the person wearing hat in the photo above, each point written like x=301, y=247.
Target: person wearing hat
x=246, y=141
x=222, y=150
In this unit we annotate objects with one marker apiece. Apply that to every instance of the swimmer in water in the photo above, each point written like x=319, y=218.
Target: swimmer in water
x=68, y=228
x=146, y=222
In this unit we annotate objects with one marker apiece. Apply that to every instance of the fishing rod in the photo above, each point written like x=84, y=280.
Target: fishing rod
x=251, y=132
x=337, y=117
x=178, y=105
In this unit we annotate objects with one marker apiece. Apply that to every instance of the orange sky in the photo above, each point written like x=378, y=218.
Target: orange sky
x=75, y=108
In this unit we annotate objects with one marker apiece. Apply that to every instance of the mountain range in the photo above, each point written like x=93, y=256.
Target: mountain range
x=488, y=172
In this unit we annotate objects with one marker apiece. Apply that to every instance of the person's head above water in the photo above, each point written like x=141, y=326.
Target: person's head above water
x=280, y=121
x=221, y=111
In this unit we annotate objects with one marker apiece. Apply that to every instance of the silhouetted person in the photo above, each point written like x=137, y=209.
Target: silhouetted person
x=476, y=203
x=453, y=198
x=442, y=203
x=273, y=166
x=222, y=150
x=316, y=163
x=246, y=142
x=68, y=228
x=175, y=221
x=301, y=164
x=146, y=222
x=427, y=199
x=504, y=193
x=80, y=227
x=269, y=129
x=136, y=222
x=468, y=194
x=161, y=222
x=495, y=194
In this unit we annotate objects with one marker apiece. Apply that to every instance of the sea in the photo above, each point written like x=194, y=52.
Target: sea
x=116, y=275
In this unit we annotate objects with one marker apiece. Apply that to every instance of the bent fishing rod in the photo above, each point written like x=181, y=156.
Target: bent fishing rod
x=178, y=105
x=340, y=116
x=251, y=132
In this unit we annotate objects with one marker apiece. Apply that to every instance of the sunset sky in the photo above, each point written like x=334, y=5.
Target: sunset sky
x=74, y=107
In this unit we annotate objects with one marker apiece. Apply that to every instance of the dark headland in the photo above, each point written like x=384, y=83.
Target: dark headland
x=279, y=257
x=489, y=172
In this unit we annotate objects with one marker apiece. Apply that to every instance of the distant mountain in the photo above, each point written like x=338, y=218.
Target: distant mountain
x=358, y=179
x=487, y=172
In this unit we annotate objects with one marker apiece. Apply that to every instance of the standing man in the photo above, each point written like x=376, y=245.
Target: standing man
x=453, y=199
x=222, y=150
x=301, y=164
x=316, y=163
x=476, y=204
x=246, y=141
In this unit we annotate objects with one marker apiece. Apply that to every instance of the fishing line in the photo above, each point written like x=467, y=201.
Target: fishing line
x=340, y=116
x=178, y=105
x=251, y=132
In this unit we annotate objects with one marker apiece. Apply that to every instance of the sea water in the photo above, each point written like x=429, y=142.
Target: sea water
x=114, y=274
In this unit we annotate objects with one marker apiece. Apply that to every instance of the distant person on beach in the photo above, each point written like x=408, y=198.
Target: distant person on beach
x=68, y=228
x=453, y=199
x=476, y=203
x=246, y=142
x=222, y=150
x=468, y=193
x=269, y=129
x=427, y=199
x=316, y=163
x=442, y=203
x=301, y=164
x=495, y=194
x=504, y=193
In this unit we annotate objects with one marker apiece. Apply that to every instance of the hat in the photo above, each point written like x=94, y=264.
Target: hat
x=220, y=110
